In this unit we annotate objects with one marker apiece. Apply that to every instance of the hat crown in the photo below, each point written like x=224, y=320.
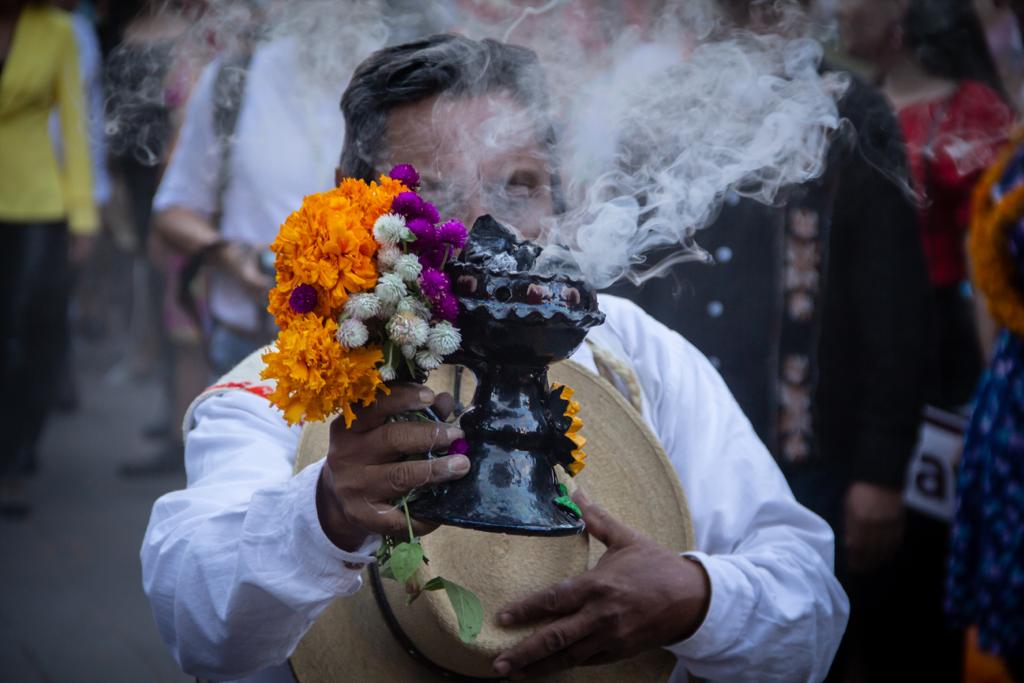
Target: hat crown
x=500, y=569
x=628, y=474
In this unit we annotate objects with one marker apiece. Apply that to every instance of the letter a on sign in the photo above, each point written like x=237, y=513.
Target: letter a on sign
x=932, y=471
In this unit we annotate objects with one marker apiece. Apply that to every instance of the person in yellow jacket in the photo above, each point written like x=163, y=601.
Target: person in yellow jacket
x=46, y=214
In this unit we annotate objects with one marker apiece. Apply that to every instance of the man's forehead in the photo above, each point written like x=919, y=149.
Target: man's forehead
x=476, y=127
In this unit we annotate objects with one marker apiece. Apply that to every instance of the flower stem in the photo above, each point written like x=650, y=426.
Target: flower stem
x=408, y=519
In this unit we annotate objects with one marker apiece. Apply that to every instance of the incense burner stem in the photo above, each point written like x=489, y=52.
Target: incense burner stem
x=511, y=484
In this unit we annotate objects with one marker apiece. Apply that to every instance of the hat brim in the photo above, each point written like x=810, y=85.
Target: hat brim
x=627, y=473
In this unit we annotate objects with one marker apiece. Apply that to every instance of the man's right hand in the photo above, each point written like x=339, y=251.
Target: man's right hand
x=366, y=471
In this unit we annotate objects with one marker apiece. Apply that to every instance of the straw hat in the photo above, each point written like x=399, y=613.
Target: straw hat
x=627, y=473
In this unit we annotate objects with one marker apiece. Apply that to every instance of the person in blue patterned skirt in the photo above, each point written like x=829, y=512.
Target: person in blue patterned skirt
x=986, y=569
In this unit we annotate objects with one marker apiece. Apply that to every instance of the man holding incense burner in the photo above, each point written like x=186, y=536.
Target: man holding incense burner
x=239, y=565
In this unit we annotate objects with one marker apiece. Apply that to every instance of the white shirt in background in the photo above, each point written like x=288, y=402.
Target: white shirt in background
x=286, y=145
x=237, y=567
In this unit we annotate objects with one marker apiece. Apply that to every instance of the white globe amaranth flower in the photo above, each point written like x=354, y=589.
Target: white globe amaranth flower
x=427, y=360
x=362, y=306
x=352, y=333
x=387, y=373
x=389, y=230
x=443, y=339
x=390, y=289
x=414, y=305
x=407, y=329
x=409, y=351
x=386, y=311
x=387, y=256
x=408, y=267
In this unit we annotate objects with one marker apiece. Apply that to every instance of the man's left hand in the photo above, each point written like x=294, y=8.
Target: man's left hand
x=639, y=596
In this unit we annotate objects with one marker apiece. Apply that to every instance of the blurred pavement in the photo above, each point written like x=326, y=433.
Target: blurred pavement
x=72, y=607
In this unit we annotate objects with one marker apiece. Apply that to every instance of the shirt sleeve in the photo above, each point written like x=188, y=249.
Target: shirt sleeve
x=91, y=67
x=777, y=612
x=975, y=126
x=236, y=566
x=190, y=181
x=76, y=173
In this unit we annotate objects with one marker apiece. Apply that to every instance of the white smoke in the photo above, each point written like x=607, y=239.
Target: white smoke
x=662, y=121
x=147, y=77
x=657, y=123
x=661, y=137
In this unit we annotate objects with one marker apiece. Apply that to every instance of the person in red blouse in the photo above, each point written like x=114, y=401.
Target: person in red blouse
x=934, y=66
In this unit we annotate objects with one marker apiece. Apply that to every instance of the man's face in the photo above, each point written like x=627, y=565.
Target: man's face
x=866, y=27
x=476, y=155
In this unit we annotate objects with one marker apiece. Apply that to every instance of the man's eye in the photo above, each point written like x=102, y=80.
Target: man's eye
x=518, y=191
x=522, y=184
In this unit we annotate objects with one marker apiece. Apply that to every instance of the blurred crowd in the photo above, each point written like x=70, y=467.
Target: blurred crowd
x=149, y=156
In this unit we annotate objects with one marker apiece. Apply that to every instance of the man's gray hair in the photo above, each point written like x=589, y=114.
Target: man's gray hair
x=441, y=64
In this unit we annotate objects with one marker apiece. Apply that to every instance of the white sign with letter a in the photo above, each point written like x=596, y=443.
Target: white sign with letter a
x=931, y=475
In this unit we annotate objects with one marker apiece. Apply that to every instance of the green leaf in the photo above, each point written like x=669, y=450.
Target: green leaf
x=385, y=571
x=435, y=584
x=468, y=609
x=405, y=560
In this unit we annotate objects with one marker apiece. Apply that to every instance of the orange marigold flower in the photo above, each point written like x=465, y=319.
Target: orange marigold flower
x=994, y=270
x=573, y=433
x=328, y=244
x=316, y=377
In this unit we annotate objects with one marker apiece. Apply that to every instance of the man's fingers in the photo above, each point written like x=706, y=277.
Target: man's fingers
x=600, y=524
x=562, y=598
x=421, y=528
x=390, y=442
x=386, y=520
x=546, y=643
x=403, y=398
x=443, y=406
x=397, y=479
x=389, y=519
x=582, y=653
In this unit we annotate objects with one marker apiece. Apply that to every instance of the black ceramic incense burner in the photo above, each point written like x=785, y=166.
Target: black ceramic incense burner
x=514, y=324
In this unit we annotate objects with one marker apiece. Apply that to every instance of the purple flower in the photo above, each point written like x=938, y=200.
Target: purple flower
x=434, y=284
x=430, y=212
x=407, y=175
x=458, y=447
x=411, y=205
x=447, y=308
x=426, y=234
x=303, y=299
x=453, y=232
x=408, y=204
x=435, y=256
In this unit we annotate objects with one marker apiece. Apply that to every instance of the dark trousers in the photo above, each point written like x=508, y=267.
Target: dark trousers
x=33, y=328
x=898, y=631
